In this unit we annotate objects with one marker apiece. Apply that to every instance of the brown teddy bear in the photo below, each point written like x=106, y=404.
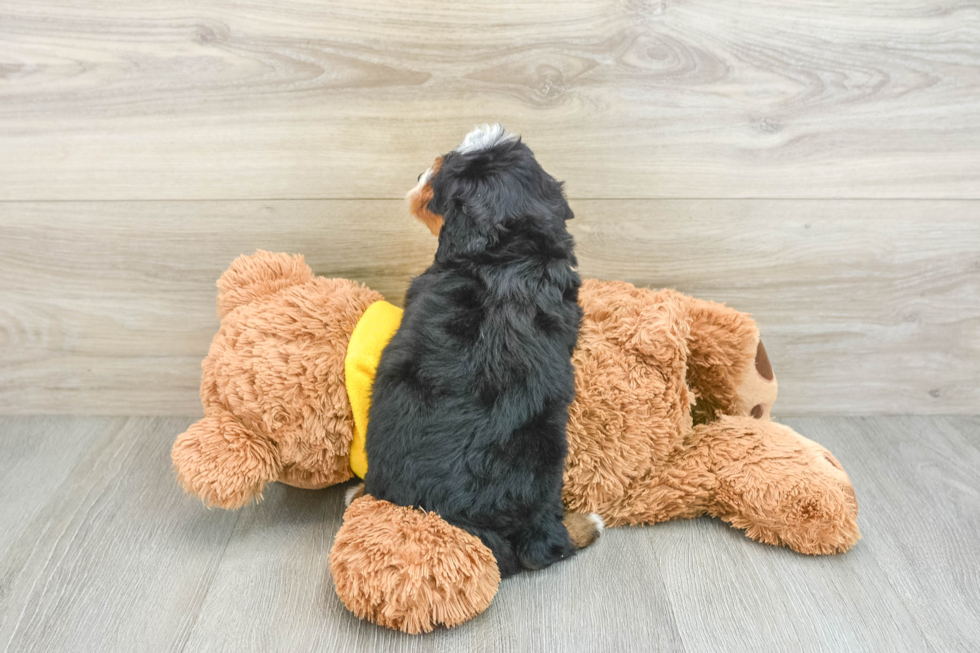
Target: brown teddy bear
x=671, y=420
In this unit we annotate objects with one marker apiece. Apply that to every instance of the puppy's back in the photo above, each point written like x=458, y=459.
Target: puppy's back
x=471, y=395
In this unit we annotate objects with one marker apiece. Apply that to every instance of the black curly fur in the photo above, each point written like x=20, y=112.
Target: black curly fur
x=471, y=396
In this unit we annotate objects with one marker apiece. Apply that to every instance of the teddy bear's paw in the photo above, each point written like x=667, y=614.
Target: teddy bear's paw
x=813, y=523
x=822, y=508
x=778, y=486
x=410, y=570
x=800, y=497
x=223, y=463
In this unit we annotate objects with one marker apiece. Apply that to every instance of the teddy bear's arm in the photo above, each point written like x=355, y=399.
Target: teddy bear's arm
x=220, y=461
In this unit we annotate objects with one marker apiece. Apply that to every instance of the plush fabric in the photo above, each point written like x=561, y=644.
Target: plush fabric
x=671, y=420
x=273, y=383
x=372, y=333
x=408, y=569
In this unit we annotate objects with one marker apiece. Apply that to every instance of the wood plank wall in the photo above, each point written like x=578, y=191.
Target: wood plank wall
x=816, y=163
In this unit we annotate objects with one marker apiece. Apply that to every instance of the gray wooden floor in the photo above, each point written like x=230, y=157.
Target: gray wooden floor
x=100, y=551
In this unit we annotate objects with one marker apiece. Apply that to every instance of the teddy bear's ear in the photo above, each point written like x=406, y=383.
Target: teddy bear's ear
x=259, y=275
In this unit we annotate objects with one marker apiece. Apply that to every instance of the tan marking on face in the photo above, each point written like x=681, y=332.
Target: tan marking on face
x=420, y=196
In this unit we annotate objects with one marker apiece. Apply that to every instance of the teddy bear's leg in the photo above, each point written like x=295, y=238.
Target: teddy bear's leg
x=410, y=570
x=683, y=487
x=778, y=486
x=224, y=463
x=258, y=275
x=728, y=367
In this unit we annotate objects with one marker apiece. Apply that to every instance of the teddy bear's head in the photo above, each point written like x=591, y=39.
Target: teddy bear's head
x=273, y=383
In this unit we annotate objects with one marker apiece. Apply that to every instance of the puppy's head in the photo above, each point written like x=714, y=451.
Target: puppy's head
x=490, y=183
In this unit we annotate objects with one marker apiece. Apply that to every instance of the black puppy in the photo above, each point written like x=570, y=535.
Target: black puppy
x=471, y=396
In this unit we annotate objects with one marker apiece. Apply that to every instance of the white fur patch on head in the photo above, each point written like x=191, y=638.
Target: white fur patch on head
x=485, y=137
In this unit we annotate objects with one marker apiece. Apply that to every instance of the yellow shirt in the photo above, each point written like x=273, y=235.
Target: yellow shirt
x=371, y=335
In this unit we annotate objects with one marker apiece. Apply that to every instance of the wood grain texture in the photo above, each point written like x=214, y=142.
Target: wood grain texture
x=924, y=523
x=865, y=306
x=100, y=299
x=36, y=454
x=909, y=584
x=621, y=98
x=116, y=558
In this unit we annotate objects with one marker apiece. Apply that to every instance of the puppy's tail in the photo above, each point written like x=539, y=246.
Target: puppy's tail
x=583, y=528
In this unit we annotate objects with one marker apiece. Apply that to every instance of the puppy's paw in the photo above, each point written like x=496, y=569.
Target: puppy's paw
x=353, y=492
x=597, y=520
x=583, y=529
